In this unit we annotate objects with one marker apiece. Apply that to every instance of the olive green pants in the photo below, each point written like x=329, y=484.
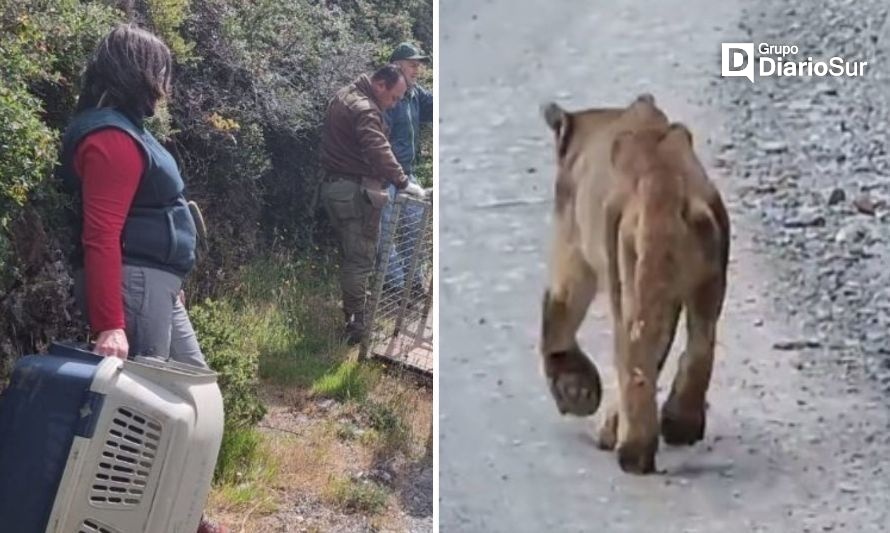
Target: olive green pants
x=357, y=223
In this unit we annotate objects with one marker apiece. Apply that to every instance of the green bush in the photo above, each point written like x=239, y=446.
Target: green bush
x=389, y=420
x=386, y=22
x=167, y=16
x=233, y=357
x=27, y=148
x=270, y=67
x=43, y=47
x=424, y=172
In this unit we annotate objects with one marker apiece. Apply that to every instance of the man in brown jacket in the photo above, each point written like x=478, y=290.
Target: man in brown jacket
x=358, y=164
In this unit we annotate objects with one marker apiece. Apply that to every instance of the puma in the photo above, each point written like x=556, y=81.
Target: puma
x=636, y=214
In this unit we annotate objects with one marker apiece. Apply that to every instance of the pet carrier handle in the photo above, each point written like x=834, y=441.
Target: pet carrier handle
x=80, y=350
x=74, y=350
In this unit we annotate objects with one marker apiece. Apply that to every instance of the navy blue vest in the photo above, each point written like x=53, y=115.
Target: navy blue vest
x=159, y=231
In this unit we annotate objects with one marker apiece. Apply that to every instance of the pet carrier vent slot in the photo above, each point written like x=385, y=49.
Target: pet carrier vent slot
x=126, y=461
x=93, y=526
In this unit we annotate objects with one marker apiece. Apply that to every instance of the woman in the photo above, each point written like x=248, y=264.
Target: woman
x=136, y=234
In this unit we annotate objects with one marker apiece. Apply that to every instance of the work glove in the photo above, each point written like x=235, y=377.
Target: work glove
x=415, y=190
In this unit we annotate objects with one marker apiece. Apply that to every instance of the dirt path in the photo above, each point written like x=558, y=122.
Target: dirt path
x=327, y=470
x=793, y=443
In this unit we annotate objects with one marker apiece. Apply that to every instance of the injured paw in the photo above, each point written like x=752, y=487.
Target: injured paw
x=574, y=382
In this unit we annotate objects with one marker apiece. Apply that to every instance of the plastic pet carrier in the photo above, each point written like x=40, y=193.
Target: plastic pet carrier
x=90, y=444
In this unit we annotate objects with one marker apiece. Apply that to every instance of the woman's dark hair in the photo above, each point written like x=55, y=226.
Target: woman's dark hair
x=390, y=74
x=131, y=69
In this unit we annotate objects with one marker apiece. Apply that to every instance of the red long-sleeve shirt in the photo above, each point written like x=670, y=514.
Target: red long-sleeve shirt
x=110, y=164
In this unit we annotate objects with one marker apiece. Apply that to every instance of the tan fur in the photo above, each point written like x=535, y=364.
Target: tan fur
x=636, y=213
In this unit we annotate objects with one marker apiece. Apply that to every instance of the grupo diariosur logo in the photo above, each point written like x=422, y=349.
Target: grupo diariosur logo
x=739, y=60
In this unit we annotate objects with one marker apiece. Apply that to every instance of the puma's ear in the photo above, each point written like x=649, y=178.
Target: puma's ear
x=680, y=129
x=618, y=145
x=560, y=122
x=553, y=115
x=644, y=109
x=646, y=98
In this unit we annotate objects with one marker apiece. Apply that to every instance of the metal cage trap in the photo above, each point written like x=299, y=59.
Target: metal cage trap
x=399, y=310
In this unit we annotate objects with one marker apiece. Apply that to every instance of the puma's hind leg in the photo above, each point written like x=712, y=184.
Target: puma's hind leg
x=683, y=413
x=607, y=433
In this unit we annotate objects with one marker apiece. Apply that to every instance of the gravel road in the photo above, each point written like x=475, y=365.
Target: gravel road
x=797, y=436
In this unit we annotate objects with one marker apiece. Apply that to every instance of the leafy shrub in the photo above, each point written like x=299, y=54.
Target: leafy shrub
x=43, y=46
x=41, y=51
x=167, y=16
x=216, y=326
x=27, y=149
x=389, y=421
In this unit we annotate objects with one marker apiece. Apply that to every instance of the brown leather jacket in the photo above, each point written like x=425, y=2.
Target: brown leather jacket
x=355, y=137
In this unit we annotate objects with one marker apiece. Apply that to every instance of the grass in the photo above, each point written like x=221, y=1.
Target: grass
x=287, y=313
x=306, y=460
x=349, y=381
x=297, y=320
x=280, y=313
x=245, y=469
x=294, y=370
x=242, y=456
x=353, y=495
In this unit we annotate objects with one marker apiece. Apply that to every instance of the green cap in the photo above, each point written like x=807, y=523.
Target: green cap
x=407, y=51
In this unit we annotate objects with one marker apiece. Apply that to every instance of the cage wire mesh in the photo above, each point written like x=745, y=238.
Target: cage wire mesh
x=400, y=308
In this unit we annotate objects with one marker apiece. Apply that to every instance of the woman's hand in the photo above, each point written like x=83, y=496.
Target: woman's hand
x=112, y=343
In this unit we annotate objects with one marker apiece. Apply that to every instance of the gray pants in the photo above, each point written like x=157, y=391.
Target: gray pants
x=157, y=324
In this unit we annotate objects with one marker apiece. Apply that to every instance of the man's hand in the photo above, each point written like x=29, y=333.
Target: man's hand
x=112, y=343
x=415, y=190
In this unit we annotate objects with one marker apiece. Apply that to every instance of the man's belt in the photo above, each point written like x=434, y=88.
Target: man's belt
x=334, y=176
x=370, y=183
